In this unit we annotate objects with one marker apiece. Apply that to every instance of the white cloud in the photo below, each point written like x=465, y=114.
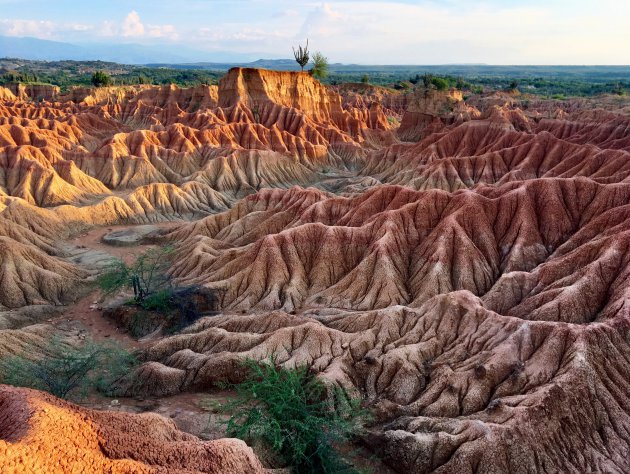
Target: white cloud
x=162, y=31
x=38, y=29
x=376, y=31
x=131, y=25
x=462, y=31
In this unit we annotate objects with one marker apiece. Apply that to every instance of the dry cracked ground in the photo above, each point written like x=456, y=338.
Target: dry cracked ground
x=467, y=272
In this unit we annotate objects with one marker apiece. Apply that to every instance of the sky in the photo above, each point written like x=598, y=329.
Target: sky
x=350, y=31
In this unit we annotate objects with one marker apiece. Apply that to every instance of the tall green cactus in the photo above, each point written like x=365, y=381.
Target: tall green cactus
x=302, y=55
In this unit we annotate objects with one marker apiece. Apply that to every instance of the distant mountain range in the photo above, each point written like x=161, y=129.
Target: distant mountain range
x=45, y=50
x=182, y=57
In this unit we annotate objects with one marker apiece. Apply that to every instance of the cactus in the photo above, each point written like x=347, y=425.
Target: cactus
x=302, y=55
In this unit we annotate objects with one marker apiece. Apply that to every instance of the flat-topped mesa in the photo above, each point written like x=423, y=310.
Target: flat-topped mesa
x=256, y=89
x=253, y=87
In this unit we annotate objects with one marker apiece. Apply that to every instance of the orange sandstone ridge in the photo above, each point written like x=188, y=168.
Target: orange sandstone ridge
x=39, y=433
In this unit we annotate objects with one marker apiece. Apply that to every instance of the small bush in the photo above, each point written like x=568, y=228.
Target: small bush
x=68, y=371
x=439, y=83
x=159, y=301
x=100, y=79
x=427, y=79
x=115, y=277
x=320, y=66
x=148, y=277
x=293, y=413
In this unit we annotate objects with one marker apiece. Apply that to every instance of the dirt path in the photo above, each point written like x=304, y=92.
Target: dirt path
x=87, y=309
x=93, y=240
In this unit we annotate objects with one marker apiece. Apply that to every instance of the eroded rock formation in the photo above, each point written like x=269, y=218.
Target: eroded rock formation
x=466, y=273
x=39, y=433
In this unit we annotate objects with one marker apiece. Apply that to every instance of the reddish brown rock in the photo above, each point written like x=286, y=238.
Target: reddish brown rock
x=39, y=433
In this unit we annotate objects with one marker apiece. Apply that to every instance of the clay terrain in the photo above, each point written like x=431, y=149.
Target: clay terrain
x=460, y=263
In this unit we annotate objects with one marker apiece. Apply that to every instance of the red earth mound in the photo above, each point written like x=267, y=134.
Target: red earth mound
x=39, y=433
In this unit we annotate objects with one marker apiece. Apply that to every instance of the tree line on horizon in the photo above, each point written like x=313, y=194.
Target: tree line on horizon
x=66, y=74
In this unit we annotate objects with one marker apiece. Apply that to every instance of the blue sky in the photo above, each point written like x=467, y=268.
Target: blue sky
x=368, y=32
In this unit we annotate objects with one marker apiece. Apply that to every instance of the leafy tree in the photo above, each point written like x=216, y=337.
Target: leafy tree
x=100, y=79
x=68, y=371
x=365, y=79
x=427, y=79
x=513, y=85
x=320, y=66
x=147, y=276
x=302, y=55
x=439, y=83
x=296, y=415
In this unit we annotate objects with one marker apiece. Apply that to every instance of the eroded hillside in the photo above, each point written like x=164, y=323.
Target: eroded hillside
x=463, y=265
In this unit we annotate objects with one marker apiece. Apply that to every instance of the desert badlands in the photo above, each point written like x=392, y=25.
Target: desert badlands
x=460, y=265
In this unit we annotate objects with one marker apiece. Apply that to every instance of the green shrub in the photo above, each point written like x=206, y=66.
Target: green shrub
x=320, y=66
x=100, y=79
x=294, y=414
x=147, y=276
x=115, y=277
x=439, y=83
x=159, y=301
x=68, y=371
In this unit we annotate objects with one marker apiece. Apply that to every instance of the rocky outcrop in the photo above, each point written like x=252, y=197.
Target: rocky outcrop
x=429, y=110
x=36, y=92
x=39, y=433
x=476, y=322
x=257, y=128
x=6, y=94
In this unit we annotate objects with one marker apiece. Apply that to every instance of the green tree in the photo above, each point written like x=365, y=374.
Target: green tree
x=302, y=55
x=365, y=79
x=320, y=67
x=415, y=80
x=427, y=79
x=293, y=413
x=147, y=276
x=101, y=79
x=439, y=83
x=67, y=371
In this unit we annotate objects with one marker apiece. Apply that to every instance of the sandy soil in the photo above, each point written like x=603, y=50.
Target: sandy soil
x=92, y=240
